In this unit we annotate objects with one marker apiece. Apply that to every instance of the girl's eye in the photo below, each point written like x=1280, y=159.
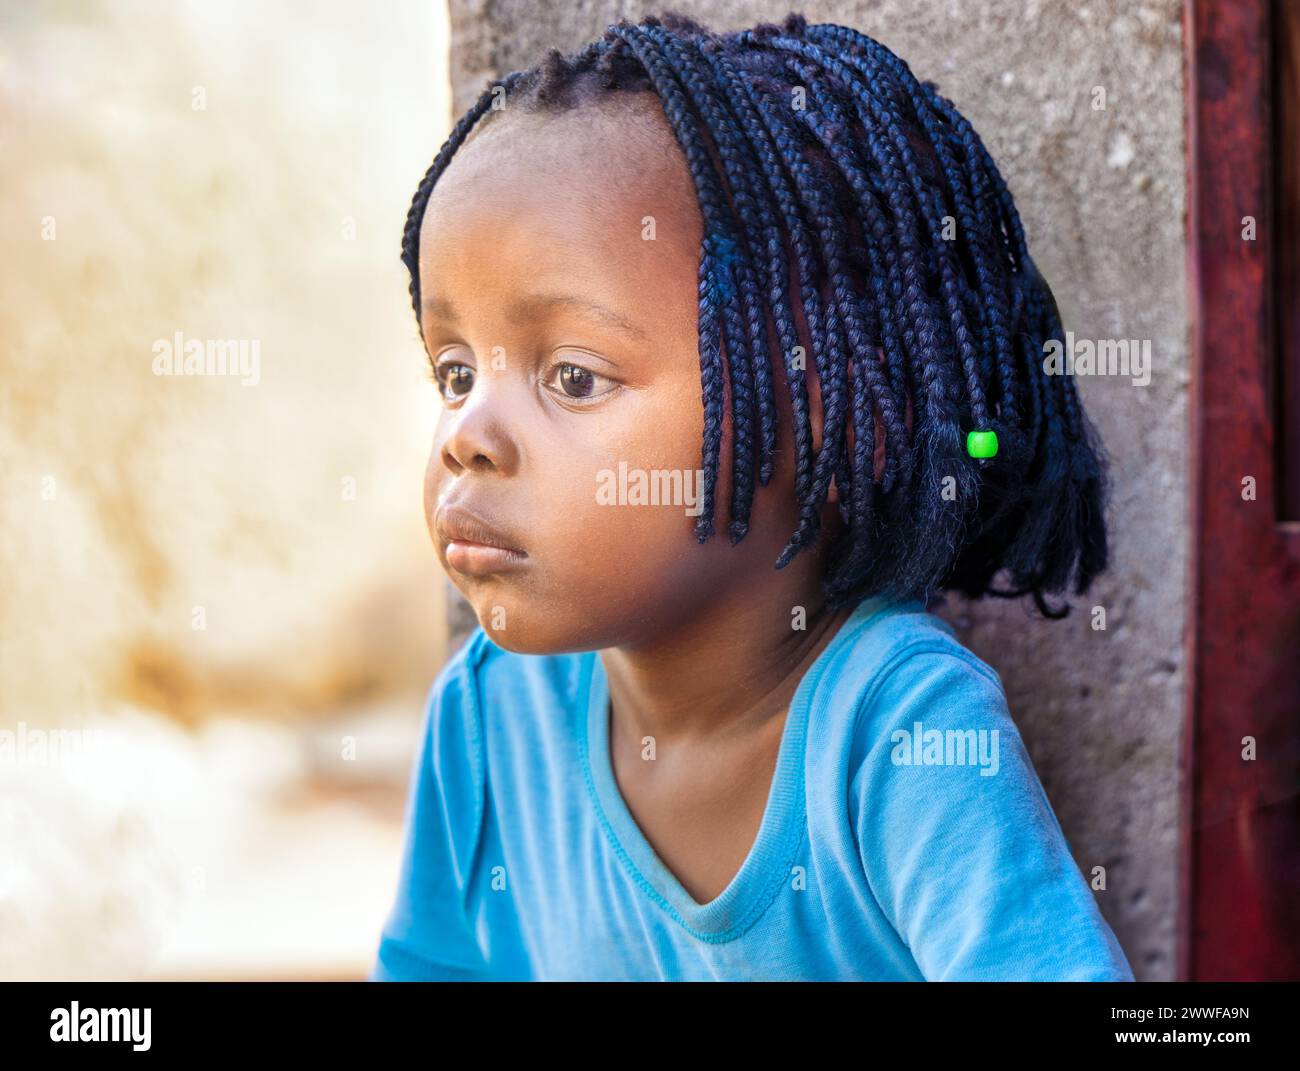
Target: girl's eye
x=574, y=381
x=454, y=380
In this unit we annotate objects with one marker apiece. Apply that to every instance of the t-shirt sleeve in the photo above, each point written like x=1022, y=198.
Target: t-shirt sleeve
x=959, y=843
x=428, y=935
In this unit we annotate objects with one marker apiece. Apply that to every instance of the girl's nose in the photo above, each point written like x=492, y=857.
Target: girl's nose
x=478, y=438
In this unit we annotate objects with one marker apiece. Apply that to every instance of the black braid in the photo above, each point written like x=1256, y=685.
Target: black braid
x=917, y=335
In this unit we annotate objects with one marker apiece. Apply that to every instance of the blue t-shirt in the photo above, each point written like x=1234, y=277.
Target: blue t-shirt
x=906, y=835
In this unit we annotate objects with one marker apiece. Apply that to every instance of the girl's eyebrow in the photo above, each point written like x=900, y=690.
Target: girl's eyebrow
x=531, y=305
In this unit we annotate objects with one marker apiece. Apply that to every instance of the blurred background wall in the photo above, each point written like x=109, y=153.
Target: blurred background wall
x=231, y=584
x=1101, y=194
x=228, y=576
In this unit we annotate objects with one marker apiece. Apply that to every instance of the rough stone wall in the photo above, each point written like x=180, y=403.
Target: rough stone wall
x=1101, y=194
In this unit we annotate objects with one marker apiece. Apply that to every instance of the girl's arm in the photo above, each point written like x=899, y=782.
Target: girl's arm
x=967, y=859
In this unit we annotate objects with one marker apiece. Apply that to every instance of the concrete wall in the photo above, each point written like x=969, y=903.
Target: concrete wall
x=1101, y=193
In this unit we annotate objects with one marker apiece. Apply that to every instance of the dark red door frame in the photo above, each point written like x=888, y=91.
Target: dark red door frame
x=1240, y=905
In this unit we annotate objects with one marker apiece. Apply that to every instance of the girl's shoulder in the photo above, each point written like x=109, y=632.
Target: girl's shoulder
x=957, y=839
x=898, y=655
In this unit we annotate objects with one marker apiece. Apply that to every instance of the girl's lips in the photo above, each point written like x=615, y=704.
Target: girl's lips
x=478, y=559
x=473, y=545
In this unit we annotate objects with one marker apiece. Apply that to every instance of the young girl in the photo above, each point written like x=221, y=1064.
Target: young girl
x=660, y=757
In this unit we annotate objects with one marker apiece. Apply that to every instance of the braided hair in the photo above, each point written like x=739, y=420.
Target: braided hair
x=926, y=316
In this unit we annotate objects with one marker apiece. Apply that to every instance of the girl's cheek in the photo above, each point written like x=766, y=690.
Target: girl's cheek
x=593, y=478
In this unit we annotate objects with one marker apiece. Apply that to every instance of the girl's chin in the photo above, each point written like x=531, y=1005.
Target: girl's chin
x=532, y=630
x=519, y=641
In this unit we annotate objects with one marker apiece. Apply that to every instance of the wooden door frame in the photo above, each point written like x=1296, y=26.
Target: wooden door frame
x=1240, y=859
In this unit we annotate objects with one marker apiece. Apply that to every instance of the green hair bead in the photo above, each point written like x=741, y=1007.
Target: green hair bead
x=982, y=443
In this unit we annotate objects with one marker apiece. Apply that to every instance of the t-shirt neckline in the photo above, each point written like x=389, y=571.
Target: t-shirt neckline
x=768, y=865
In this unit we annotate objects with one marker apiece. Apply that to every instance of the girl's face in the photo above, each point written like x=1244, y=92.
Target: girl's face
x=558, y=270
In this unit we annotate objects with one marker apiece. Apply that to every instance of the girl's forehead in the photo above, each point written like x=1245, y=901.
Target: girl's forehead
x=601, y=180
x=574, y=204
x=615, y=151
